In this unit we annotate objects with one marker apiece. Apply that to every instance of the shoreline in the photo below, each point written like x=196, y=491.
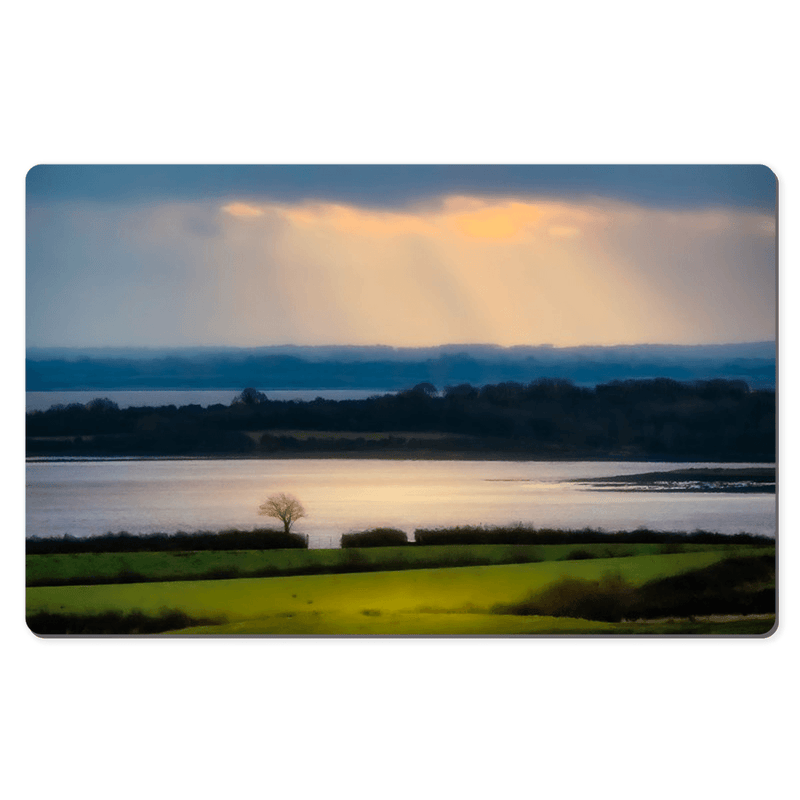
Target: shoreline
x=736, y=480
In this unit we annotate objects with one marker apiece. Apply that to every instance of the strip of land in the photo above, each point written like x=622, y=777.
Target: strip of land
x=699, y=479
x=547, y=419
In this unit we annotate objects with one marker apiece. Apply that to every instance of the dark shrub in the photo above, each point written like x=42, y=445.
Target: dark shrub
x=526, y=534
x=478, y=534
x=232, y=539
x=607, y=599
x=377, y=537
x=738, y=585
x=579, y=555
x=113, y=623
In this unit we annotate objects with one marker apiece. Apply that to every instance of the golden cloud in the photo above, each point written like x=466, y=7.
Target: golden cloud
x=355, y=221
x=454, y=218
x=242, y=210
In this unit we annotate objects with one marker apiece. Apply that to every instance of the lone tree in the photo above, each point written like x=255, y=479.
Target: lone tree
x=249, y=397
x=285, y=507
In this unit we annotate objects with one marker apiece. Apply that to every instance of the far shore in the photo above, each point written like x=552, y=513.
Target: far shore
x=698, y=479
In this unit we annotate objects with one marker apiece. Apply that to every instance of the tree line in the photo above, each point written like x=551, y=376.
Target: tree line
x=658, y=418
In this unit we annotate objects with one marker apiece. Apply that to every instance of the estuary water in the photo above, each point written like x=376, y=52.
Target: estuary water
x=84, y=498
x=41, y=401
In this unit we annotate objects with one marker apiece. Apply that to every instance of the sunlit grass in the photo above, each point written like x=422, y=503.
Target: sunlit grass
x=461, y=589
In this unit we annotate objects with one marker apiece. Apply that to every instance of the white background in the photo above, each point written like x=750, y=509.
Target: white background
x=350, y=82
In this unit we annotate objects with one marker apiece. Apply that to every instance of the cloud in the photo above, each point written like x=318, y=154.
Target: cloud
x=242, y=210
x=456, y=217
x=507, y=270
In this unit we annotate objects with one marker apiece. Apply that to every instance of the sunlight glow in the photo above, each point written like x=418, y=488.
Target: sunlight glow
x=455, y=269
x=502, y=270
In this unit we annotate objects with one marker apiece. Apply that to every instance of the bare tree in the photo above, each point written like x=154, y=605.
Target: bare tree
x=285, y=507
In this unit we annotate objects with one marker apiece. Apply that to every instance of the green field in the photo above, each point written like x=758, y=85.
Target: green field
x=135, y=567
x=447, y=600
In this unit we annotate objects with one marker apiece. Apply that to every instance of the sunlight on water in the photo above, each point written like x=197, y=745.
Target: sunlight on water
x=84, y=498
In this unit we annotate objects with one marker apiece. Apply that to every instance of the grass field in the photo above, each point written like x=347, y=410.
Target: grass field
x=135, y=567
x=451, y=600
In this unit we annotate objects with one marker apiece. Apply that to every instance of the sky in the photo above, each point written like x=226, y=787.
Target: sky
x=399, y=255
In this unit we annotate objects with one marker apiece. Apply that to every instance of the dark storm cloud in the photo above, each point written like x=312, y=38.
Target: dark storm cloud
x=391, y=186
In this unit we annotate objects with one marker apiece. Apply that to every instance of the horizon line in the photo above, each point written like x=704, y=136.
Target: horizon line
x=542, y=345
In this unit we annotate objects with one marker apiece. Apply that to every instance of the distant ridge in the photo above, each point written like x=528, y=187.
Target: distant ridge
x=390, y=368
x=764, y=349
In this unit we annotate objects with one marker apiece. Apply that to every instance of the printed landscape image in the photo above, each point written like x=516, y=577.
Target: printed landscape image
x=401, y=400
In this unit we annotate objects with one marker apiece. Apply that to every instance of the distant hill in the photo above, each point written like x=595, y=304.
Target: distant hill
x=388, y=368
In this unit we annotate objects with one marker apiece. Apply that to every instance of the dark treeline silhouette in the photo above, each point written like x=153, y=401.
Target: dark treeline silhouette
x=528, y=535
x=265, y=539
x=548, y=418
x=123, y=542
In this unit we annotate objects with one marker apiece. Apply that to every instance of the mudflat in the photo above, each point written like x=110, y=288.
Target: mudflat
x=695, y=479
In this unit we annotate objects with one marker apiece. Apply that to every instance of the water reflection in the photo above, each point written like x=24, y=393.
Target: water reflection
x=95, y=497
